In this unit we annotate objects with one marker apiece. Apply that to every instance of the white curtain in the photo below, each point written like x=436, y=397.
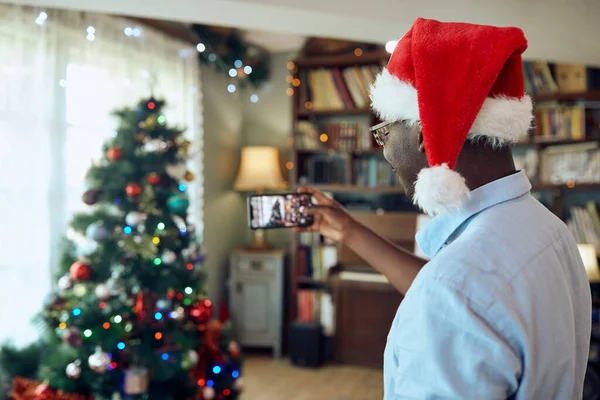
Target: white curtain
x=61, y=75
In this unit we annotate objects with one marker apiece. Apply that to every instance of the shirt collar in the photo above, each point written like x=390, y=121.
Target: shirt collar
x=436, y=233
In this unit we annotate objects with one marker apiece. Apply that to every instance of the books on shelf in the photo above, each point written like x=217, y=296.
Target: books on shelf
x=316, y=306
x=578, y=163
x=560, y=122
x=538, y=78
x=313, y=258
x=336, y=136
x=336, y=88
x=373, y=172
x=585, y=225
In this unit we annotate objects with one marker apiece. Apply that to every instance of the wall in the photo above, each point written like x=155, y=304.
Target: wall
x=224, y=209
x=269, y=122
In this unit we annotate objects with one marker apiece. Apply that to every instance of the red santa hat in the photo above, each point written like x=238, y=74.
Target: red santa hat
x=456, y=80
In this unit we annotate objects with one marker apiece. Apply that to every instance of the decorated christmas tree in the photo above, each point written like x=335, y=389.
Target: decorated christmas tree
x=129, y=318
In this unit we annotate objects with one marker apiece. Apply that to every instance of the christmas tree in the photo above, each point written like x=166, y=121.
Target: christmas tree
x=128, y=318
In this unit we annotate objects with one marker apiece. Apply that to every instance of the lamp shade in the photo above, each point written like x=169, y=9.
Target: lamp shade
x=590, y=261
x=259, y=169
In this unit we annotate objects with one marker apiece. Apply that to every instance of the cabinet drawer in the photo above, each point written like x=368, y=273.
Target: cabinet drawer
x=255, y=266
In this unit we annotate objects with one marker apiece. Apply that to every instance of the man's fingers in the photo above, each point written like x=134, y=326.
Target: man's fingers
x=317, y=194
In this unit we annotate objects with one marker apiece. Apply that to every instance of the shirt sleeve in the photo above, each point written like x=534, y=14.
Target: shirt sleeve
x=445, y=348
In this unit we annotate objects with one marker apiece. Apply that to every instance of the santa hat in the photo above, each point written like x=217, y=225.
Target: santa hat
x=456, y=80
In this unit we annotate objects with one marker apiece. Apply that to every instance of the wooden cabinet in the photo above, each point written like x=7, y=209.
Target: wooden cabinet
x=256, y=283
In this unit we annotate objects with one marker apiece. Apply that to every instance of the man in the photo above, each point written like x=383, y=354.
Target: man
x=503, y=309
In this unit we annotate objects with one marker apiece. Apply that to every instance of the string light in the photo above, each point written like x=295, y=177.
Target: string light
x=289, y=92
x=254, y=98
x=200, y=47
x=358, y=52
x=76, y=312
x=291, y=65
x=62, y=325
x=187, y=302
x=128, y=31
x=91, y=37
x=201, y=382
x=157, y=261
x=289, y=165
x=161, y=119
x=165, y=356
x=87, y=333
x=106, y=325
x=120, y=345
x=102, y=305
x=233, y=72
x=238, y=63
x=127, y=230
x=118, y=319
x=151, y=105
x=91, y=30
x=210, y=383
x=235, y=374
x=182, y=188
x=188, y=290
x=160, y=226
x=248, y=69
x=323, y=138
x=296, y=82
x=128, y=327
x=156, y=240
x=390, y=46
x=137, y=32
x=289, y=79
x=217, y=369
x=226, y=392
x=41, y=19
x=112, y=365
x=158, y=316
x=158, y=336
x=231, y=88
x=190, y=266
x=212, y=57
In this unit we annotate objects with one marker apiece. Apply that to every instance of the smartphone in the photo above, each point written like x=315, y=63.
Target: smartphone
x=285, y=210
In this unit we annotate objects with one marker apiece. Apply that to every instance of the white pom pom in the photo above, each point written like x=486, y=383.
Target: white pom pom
x=439, y=189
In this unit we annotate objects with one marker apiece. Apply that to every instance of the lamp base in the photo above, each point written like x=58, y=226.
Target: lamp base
x=259, y=243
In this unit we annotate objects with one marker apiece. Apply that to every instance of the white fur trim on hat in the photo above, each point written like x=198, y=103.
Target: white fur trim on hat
x=502, y=119
x=439, y=189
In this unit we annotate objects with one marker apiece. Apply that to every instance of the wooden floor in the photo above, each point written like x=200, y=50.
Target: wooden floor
x=268, y=379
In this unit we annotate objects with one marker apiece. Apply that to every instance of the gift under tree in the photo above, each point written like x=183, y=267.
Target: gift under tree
x=128, y=318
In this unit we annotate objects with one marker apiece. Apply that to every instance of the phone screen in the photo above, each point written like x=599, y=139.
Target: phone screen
x=279, y=210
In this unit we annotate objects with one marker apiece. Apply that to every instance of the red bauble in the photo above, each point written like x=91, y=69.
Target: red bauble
x=80, y=271
x=153, y=178
x=201, y=312
x=133, y=190
x=114, y=154
x=90, y=197
x=44, y=392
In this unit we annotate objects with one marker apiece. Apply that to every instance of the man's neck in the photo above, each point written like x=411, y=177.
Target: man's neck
x=482, y=165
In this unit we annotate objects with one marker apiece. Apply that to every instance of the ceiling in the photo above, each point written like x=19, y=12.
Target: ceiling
x=557, y=30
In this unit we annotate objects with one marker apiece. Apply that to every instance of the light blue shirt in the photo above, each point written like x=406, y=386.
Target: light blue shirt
x=502, y=310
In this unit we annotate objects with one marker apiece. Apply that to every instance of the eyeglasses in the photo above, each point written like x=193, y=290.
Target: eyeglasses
x=381, y=132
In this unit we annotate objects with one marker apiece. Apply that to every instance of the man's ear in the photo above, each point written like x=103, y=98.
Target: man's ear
x=421, y=143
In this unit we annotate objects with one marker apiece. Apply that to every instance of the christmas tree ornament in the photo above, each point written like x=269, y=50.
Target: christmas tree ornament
x=135, y=218
x=73, y=337
x=65, y=283
x=114, y=153
x=44, y=392
x=176, y=171
x=80, y=290
x=208, y=393
x=97, y=231
x=136, y=381
x=133, y=190
x=234, y=349
x=154, y=178
x=189, y=176
x=103, y=291
x=201, y=312
x=184, y=147
x=192, y=355
x=99, y=361
x=155, y=146
x=163, y=304
x=168, y=257
x=149, y=123
x=73, y=370
x=178, y=204
x=90, y=197
x=80, y=271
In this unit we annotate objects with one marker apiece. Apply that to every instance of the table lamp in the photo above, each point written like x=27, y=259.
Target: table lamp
x=590, y=261
x=259, y=171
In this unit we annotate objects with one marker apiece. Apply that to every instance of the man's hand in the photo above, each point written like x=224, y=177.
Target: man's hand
x=329, y=217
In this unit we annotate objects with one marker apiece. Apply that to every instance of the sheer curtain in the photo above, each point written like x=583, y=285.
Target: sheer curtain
x=62, y=73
